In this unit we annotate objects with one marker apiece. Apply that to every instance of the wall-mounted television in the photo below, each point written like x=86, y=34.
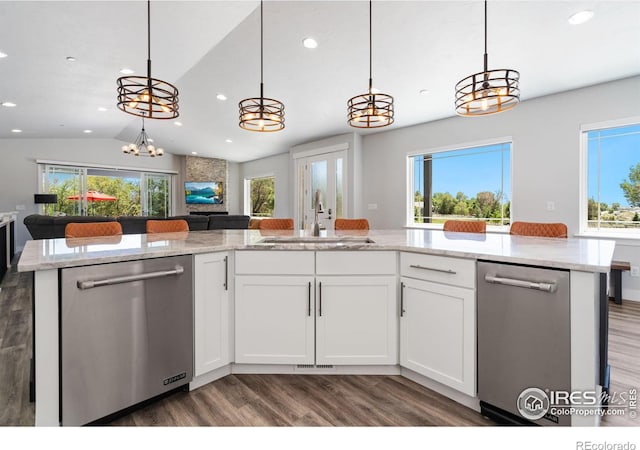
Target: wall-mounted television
x=203, y=192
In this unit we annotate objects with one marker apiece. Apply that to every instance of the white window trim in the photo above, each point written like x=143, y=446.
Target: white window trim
x=410, y=181
x=584, y=230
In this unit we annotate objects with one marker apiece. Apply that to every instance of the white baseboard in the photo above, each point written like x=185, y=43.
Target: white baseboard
x=208, y=377
x=288, y=369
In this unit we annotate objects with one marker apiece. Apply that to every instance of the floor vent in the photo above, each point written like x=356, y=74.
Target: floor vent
x=313, y=366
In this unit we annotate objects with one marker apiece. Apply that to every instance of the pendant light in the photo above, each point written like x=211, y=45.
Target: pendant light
x=142, y=146
x=260, y=113
x=146, y=96
x=370, y=110
x=487, y=92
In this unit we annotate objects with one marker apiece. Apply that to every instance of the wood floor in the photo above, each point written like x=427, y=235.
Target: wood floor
x=287, y=400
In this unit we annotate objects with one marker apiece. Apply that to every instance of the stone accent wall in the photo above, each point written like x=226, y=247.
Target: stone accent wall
x=208, y=169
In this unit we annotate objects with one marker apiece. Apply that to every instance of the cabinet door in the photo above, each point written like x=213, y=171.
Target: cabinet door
x=274, y=320
x=438, y=333
x=211, y=312
x=356, y=320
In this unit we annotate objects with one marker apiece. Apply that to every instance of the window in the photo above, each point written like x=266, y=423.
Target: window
x=259, y=196
x=612, y=200
x=107, y=192
x=464, y=183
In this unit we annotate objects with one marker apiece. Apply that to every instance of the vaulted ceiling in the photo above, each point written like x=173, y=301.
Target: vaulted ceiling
x=210, y=47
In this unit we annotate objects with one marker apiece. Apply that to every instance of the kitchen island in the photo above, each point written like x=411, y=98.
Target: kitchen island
x=342, y=263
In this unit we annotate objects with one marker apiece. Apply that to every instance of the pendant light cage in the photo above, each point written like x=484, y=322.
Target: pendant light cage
x=261, y=114
x=148, y=97
x=370, y=110
x=489, y=91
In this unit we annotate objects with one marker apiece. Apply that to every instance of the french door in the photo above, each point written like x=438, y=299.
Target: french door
x=324, y=174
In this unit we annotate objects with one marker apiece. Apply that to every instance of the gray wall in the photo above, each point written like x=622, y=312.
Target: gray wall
x=277, y=166
x=19, y=173
x=545, y=157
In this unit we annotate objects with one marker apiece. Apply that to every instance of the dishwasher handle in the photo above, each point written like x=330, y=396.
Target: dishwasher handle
x=90, y=284
x=540, y=286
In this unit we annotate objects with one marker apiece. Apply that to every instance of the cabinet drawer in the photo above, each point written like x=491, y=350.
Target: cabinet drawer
x=440, y=269
x=274, y=262
x=362, y=262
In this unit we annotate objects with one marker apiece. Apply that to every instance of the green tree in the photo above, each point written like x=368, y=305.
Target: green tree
x=262, y=196
x=592, y=209
x=631, y=187
x=636, y=217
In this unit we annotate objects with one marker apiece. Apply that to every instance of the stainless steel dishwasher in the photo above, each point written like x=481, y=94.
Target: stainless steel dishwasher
x=524, y=341
x=126, y=335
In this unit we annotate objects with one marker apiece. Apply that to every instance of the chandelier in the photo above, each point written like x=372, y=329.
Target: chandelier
x=142, y=146
x=490, y=91
x=370, y=110
x=147, y=96
x=260, y=113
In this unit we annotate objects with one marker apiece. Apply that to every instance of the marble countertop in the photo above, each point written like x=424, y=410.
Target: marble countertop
x=589, y=255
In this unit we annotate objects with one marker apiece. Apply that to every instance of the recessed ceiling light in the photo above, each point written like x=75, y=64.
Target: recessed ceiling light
x=228, y=141
x=71, y=59
x=178, y=124
x=309, y=43
x=221, y=97
x=150, y=140
x=3, y=55
x=8, y=104
x=194, y=153
x=580, y=17
x=102, y=109
x=15, y=130
x=88, y=131
x=375, y=90
x=423, y=91
x=126, y=71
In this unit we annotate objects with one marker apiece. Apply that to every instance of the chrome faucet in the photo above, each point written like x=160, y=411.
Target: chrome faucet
x=317, y=210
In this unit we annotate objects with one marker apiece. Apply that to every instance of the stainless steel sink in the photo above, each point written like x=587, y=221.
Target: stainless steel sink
x=342, y=240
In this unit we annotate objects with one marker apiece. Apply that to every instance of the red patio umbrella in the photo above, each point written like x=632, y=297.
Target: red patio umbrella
x=93, y=196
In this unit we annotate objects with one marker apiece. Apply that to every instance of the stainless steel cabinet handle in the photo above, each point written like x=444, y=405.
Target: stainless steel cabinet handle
x=320, y=298
x=540, y=286
x=435, y=269
x=89, y=284
x=309, y=307
x=401, y=299
x=226, y=273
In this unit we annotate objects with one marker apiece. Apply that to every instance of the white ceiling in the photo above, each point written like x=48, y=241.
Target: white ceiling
x=206, y=48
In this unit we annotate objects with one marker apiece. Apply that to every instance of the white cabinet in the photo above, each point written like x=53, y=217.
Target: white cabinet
x=357, y=320
x=438, y=324
x=274, y=319
x=211, y=312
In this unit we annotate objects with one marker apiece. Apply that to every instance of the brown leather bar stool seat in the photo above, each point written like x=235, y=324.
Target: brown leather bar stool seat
x=276, y=224
x=167, y=226
x=465, y=226
x=92, y=229
x=351, y=224
x=552, y=230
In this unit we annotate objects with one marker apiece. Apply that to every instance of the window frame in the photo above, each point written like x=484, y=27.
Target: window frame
x=247, y=192
x=409, y=195
x=583, y=228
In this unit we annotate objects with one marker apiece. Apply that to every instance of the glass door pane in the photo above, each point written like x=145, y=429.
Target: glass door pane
x=68, y=183
x=157, y=195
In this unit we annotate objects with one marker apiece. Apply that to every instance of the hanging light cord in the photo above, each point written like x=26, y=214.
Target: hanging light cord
x=149, y=83
x=261, y=58
x=370, y=51
x=486, y=56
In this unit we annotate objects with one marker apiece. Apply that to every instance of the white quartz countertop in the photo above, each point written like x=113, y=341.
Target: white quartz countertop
x=589, y=255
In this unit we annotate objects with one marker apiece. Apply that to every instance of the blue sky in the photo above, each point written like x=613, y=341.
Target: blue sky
x=619, y=150
x=481, y=169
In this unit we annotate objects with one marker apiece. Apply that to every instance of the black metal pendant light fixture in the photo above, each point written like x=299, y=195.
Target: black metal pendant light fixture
x=370, y=110
x=147, y=96
x=490, y=91
x=260, y=113
x=142, y=146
